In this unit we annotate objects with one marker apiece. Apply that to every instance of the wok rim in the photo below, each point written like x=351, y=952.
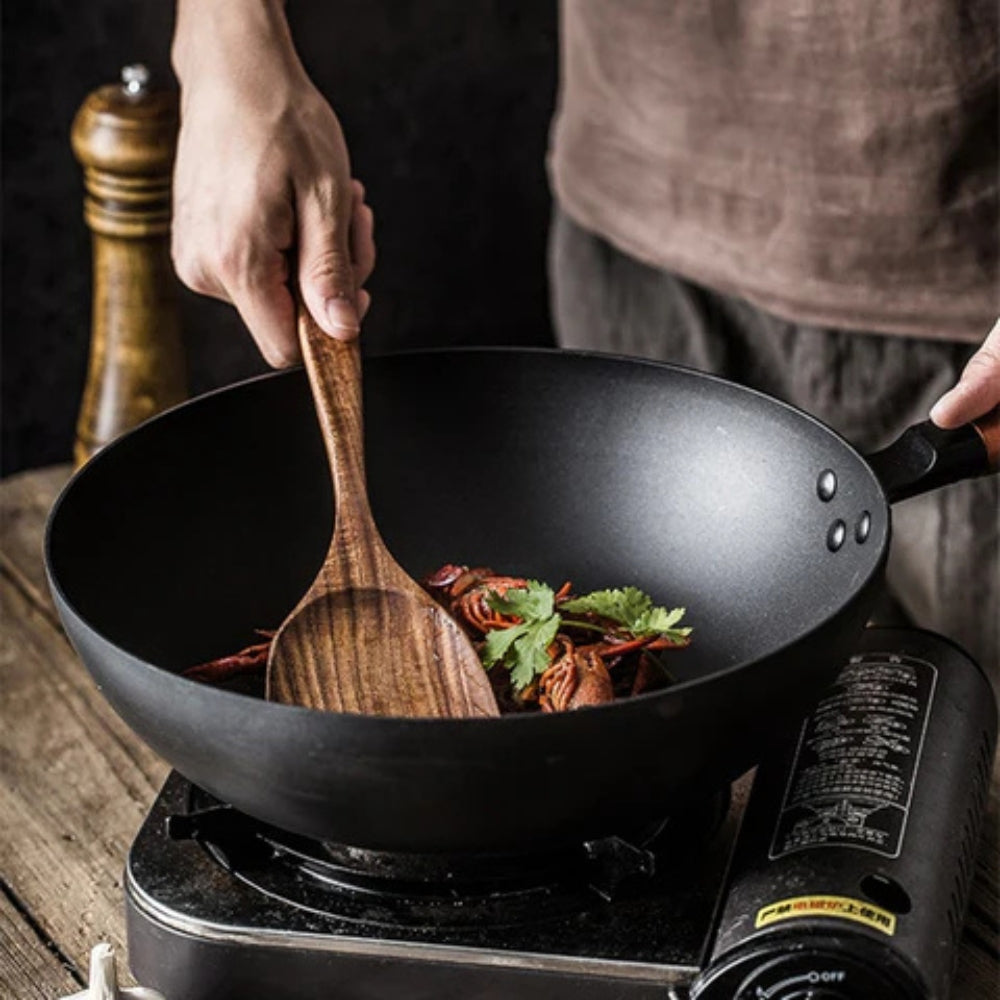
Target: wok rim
x=550, y=720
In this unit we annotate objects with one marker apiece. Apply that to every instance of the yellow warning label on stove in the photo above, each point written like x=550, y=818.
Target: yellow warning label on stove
x=838, y=907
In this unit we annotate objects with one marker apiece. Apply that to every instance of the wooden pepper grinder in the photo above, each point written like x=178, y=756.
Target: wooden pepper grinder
x=125, y=136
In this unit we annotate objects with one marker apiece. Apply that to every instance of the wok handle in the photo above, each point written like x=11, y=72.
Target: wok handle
x=925, y=457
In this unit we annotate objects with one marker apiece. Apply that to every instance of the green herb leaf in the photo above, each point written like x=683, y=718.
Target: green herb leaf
x=521, y=648
x=530, y=657
x=531, y=603
x=624, y=606
x=631, y=608
x=499, y=642
x=659, y=621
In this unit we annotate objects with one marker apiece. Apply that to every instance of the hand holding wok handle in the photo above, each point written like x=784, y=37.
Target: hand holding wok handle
x=925, y=457
x=978, y=388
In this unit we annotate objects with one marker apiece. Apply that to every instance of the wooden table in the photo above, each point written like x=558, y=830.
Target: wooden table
x=76, y=784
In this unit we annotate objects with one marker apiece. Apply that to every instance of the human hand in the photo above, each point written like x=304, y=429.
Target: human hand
x=977, y=391
x=262, y=180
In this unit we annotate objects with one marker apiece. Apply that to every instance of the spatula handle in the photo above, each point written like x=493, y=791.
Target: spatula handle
x=334, y=368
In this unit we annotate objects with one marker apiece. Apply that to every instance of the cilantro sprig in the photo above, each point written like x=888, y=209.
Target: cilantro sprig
x=523, y=646
x=633, y=609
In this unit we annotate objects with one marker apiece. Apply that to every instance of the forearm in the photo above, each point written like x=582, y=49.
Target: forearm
x=240, y=39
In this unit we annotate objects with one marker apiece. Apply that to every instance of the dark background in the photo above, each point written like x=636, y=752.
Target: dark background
x=445, y=105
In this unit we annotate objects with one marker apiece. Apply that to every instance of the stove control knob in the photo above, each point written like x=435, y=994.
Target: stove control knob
x=798, y=970
x=808, y=975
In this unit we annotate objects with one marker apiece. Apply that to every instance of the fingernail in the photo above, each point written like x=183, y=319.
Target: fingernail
x=941, y=409
x=341, y=316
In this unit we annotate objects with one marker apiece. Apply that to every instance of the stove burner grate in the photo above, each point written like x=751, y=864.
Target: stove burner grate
x=384, y=888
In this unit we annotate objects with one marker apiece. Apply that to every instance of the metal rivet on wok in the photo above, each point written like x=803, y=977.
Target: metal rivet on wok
x=863, y=528
x=836, y=535
x=826, y=485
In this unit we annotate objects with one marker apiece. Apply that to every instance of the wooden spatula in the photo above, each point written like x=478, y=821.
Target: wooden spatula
x=366, y=638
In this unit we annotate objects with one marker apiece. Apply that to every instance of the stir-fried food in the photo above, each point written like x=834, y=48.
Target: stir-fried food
x=544, y=649
x=554, y=651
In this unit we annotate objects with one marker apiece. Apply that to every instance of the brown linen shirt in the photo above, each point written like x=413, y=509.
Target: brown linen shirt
x=832, y=161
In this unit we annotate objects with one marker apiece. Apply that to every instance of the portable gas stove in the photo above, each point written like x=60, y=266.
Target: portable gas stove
x=841, y=874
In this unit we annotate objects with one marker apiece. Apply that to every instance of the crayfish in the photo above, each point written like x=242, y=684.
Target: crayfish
x=580, y=671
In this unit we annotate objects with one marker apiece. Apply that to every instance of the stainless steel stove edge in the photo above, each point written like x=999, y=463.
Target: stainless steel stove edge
x=177, y=922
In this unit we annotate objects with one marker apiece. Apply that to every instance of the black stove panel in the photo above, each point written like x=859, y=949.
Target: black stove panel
x=244, y=918
x=849, y=879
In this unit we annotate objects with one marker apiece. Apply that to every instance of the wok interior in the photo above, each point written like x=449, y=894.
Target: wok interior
x=210, y=522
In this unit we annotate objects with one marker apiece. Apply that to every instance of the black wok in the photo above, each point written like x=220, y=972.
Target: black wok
x=176, y=542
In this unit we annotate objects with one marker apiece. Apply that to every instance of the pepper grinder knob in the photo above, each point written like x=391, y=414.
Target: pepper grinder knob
x=124, y=136
x=135, y=79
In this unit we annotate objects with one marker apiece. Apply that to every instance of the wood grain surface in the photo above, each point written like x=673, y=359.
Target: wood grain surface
x=29, y=967
x=75, y=784
x=366, y=638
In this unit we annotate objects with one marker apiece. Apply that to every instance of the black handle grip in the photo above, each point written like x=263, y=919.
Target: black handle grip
x=925, y=457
